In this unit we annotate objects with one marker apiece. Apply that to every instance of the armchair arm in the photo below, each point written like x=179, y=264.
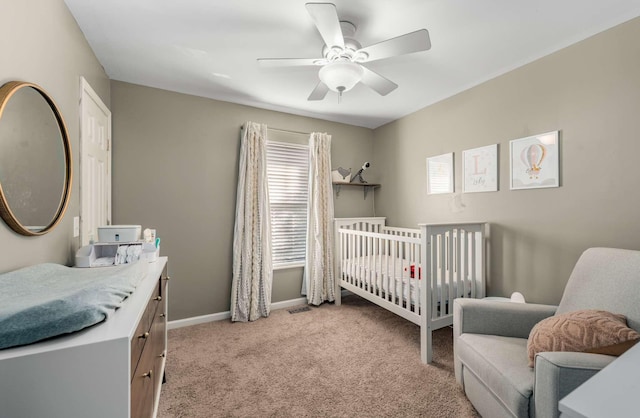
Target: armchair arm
x=497, y=318
x=559, y=373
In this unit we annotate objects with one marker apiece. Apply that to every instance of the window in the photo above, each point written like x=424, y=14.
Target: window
x=288, y=173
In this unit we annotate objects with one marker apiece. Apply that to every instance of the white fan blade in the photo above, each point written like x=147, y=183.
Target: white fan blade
x=325, y=17
x=377, y=82
x=319, y=92
x=290, y=62
x=404, y=44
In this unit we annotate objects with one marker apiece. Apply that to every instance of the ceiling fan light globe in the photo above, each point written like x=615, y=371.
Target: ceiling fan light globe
x=341, y=76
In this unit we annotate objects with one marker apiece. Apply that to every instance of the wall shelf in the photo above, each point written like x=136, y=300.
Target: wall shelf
x=365, y=186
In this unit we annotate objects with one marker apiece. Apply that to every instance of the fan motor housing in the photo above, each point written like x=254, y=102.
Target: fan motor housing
x=351, y=46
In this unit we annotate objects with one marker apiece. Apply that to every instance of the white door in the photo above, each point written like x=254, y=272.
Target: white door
x=95, y=164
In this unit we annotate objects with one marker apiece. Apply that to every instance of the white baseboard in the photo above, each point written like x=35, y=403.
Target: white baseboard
x=187, y=322
x=221, y=316
x=288, y=303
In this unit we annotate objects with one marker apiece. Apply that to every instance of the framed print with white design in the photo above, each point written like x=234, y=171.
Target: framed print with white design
x=440, y=174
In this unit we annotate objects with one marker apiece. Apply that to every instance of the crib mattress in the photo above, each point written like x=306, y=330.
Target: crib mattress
x=47, y=300
x=382, y=272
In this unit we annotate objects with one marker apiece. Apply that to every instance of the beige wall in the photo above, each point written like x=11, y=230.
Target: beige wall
x=175, y=165
x=591, y=93
x=41, y=43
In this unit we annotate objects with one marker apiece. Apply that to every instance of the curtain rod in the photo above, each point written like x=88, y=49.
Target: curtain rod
x=288, y=131
x=284, y=130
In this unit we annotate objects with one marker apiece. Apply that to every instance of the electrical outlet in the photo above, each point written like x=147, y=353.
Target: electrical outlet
x=76, y=226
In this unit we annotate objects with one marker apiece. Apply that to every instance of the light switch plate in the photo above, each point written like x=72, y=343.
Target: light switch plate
x=76, y=226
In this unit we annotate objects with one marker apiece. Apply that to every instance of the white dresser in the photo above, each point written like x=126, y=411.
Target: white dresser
x=612, y=392
x=113, y=369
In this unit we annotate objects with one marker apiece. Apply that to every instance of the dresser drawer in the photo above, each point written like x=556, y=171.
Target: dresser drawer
x=150, y=348
x=143, y=384
x=158, y=345
x=143, y=331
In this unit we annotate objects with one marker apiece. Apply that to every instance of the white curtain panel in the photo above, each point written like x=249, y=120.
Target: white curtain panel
x=252, y=265
x=319, y=273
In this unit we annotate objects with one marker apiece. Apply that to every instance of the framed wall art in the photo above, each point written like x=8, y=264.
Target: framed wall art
x=480, y=169
x=440, y=174
x=535, y=161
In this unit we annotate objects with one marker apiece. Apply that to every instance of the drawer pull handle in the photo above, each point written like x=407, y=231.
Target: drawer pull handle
x=158, y=298
x=167, y=278
x=148, y=374
x=163, y=355
x=162, y=315
x=144, y=336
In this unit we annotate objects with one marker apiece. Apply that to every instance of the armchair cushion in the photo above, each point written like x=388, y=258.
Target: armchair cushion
x=499, y=365
x=587, y=330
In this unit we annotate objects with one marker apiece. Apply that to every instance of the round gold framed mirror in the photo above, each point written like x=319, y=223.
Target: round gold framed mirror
x=35, y=159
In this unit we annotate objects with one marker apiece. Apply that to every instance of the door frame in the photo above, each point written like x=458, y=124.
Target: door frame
x=88, y=93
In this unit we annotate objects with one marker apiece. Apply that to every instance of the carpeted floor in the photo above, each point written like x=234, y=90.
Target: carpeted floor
x=354, y=360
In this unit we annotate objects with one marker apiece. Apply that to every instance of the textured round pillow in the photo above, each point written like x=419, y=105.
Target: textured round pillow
x=589, y=330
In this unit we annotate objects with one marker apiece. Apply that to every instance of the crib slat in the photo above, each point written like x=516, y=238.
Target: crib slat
x=438, y=289
x=444, y=284
x=343, y=255
x=398, y=272
x=377, y=262
x=474, y=273
x=398, y=281
x=354, y=255
x=417, y=283
x=384, y=268
x=371, y=279
x=459, y=281
x=389, y=291
x=435, y=294
x=450, y=278
x=361, y=263
x=349, y=255
x=392, y=283
x=423, y=274
x=437, y=250
x=365, y=276
x=375, y=279
x=464, y=262
x=361, y=270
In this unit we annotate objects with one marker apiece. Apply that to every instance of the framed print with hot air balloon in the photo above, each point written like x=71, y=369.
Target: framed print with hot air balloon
x=535, y=161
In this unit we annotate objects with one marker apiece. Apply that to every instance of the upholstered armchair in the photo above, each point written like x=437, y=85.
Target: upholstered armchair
x=490, y=339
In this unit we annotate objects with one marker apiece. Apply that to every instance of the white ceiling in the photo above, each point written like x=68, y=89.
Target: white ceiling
x=209, y=47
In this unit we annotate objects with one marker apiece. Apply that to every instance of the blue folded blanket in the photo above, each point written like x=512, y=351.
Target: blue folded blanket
x=46, y=300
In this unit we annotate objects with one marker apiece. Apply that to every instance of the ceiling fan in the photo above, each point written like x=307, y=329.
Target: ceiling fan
x=343, y=56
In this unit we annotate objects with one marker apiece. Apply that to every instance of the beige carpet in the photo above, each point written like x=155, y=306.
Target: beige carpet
x=354, y=360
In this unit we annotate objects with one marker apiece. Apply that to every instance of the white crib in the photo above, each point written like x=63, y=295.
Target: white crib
x=390, y=267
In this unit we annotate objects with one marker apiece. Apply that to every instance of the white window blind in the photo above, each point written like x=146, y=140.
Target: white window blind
x=288, y=173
